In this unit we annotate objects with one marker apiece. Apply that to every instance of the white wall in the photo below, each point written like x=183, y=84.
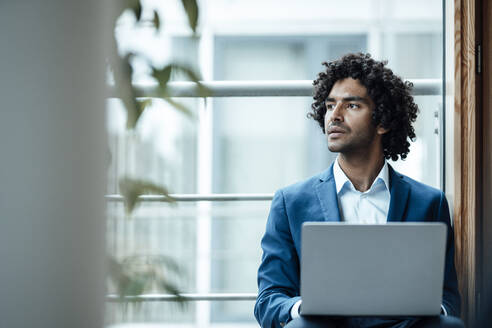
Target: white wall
x=52, y=146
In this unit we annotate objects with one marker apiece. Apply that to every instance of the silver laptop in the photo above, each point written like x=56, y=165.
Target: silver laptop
x=389, y=269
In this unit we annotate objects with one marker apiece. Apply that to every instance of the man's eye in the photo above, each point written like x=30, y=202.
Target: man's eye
x=330, y=106
x=353, y=106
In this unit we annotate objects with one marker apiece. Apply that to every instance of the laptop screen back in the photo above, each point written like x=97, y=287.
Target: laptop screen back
x=390, y=269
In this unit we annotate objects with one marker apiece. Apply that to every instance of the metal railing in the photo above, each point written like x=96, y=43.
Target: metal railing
x=299, y=88
x=292, y=88
x=197, y=197
x=183, y=297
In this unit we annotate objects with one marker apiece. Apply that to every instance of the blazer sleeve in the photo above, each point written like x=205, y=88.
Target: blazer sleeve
x=278, y=274
x=451, y=297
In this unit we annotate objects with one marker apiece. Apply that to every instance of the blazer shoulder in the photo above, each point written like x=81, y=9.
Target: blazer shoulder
x=420, y=188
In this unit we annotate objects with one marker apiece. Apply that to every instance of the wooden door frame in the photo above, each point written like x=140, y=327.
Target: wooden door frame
x=472, y=158
x=485, y=292
x=465, y=154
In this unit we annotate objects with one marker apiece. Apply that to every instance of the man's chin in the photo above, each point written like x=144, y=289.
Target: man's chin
x=334, y=148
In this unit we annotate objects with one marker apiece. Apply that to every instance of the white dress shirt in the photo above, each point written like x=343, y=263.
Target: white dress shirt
x=368, y=207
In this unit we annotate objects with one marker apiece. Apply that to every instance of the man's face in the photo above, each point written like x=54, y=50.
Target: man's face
x=348, y=118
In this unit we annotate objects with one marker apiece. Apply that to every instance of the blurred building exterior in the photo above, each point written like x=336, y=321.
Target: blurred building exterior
x=250, y=145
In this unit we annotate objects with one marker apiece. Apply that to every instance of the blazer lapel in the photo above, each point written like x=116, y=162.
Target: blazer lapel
x=399, y=191
x=327, y=196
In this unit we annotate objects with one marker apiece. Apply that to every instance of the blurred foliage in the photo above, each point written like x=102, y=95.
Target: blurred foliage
x=135, y=275
x=191, y=9
x=131, y=189
x=138, y=274
x=122, y=69
x=123, y=73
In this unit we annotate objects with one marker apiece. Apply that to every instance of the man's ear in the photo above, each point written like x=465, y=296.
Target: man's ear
x=381, y=130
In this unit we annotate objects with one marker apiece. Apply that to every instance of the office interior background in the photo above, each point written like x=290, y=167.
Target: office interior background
x=65, y=146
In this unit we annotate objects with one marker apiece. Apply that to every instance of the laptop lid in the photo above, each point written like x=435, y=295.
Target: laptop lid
x=360, y=269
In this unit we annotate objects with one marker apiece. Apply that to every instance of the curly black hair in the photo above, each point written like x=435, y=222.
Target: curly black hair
x=394, y=109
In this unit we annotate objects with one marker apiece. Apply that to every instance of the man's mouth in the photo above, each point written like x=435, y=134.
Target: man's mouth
x=335, y=131
x=335, y=134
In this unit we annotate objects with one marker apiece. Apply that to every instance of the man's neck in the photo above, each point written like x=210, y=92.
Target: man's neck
x=361, y=170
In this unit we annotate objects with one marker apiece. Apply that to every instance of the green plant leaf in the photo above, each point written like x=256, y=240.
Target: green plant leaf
x=165, y=261
x=137, y=274
x=162, y=75
x=131, y=189
x=191, y=8
x=136, y=285
x=136, y=7
x=117, y=276
x=122, y=72
x=172, y=289
x=156, y=20
x=144, y=103
x=193, y=76
x=179, y=106
x=136, y=112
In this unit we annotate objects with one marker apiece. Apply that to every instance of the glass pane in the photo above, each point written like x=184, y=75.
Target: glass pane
x=235, y=255
x=155, y=230
x=264, y=143
x=423, y=161
x=161, y=150
x=419, y=56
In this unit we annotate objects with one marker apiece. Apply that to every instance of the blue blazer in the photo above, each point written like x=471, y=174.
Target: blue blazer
x=315, y=199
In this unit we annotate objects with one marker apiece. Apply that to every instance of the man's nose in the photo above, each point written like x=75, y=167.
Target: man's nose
x=337, y=113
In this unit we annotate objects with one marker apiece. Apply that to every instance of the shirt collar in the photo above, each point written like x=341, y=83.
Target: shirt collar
x=341, y=178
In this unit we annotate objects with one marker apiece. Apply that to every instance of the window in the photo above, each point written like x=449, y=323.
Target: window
x=248, y=144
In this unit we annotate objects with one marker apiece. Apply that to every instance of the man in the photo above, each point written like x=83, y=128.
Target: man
x=366, y=113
